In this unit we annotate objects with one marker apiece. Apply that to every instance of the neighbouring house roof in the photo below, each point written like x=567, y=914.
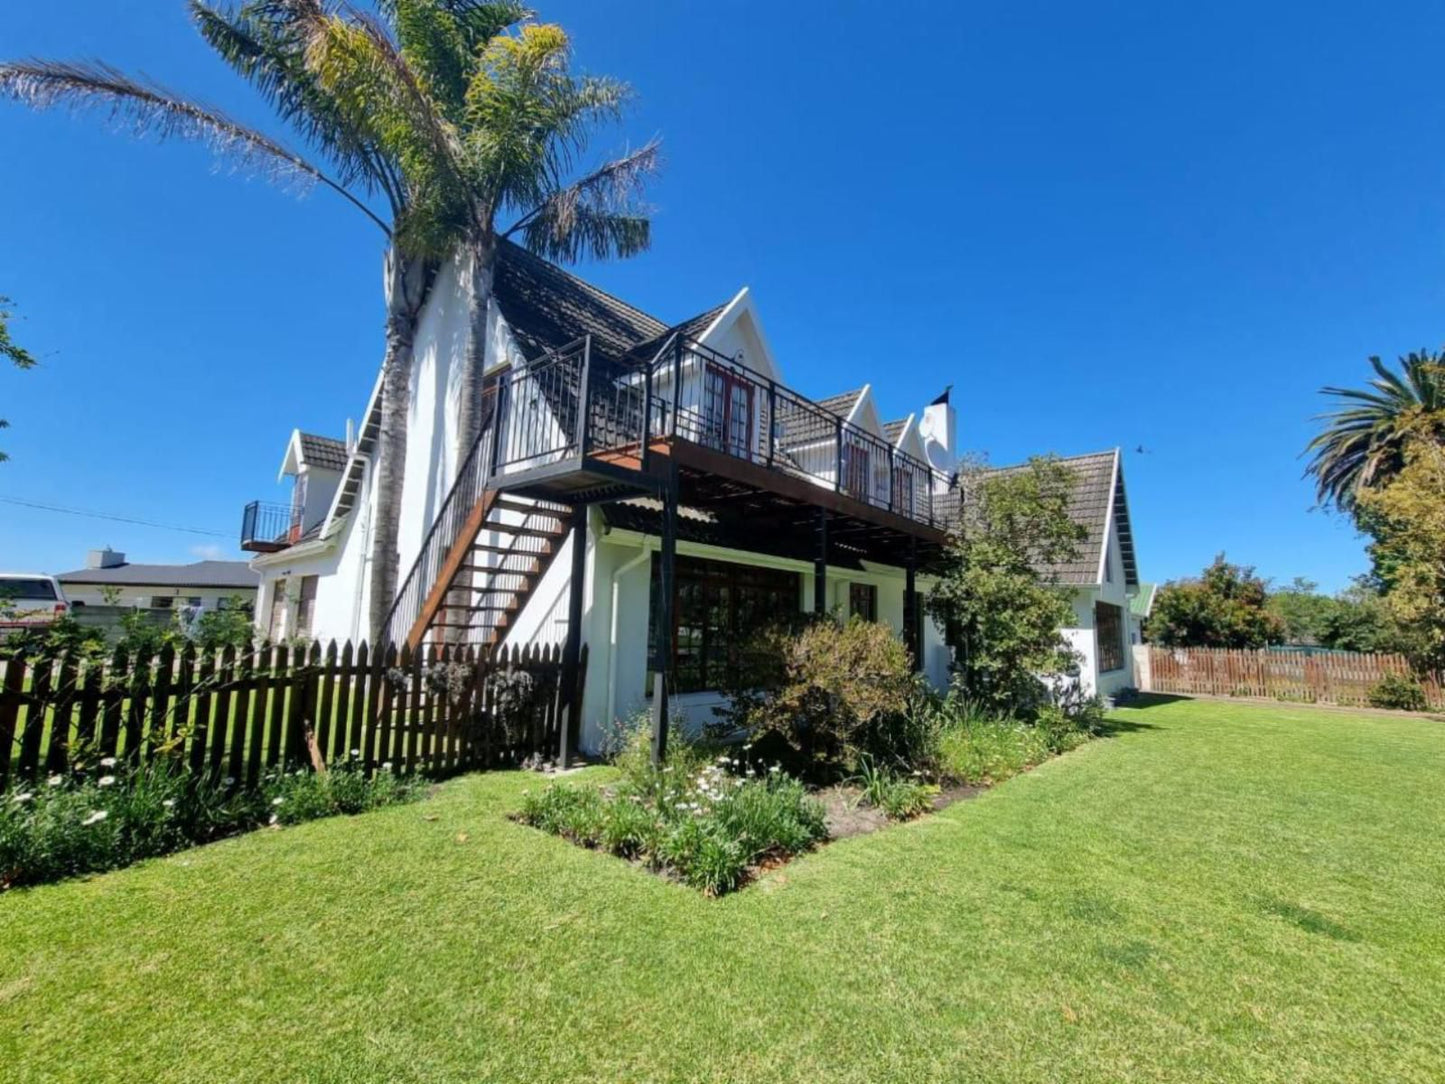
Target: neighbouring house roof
x=1142, y=603
x=328, y=453
x=197, y=574
x=1097, y=501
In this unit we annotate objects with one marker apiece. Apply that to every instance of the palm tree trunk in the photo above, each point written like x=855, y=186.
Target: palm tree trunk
x=480, y=258
x=405, y=283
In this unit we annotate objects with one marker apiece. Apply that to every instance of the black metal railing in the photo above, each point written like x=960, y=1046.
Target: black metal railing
x=700, y=395
x=567, y=405
x=267, y=527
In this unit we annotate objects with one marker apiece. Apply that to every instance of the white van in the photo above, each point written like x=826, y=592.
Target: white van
x=30, y=599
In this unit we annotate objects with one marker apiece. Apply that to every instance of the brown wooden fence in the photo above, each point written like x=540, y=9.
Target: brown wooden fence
x=229, y=715
x=1344, y=678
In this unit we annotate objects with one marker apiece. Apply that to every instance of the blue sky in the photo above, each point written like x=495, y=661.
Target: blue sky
x=1124, y=225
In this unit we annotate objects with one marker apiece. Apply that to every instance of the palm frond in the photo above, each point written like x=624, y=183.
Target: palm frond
x=1362, y=444
x=265, y=43
x=598, y=216
x=148, y=108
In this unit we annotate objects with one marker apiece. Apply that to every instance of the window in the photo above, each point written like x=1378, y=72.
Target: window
x=23, y=587
x=863, y=601
x=903, y=490
x=716, y=607
x=275, y=627
x=1109, y=636
x=729, y=411
x=855, y=469
x=306, y=605
x=162, y=602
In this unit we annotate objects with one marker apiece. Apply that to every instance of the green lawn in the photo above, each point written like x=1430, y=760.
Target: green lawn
x=1224, y=892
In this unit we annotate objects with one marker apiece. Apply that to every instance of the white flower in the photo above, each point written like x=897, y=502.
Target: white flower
x=105, y=780
x=272, y=820
x=386, y=767
x=55, y=780
x=95, y=817
x=107, y=762
x=737, y=782
x=775, y=769
x=169, y=803
x=750, y=772
x=23, y=797
x=356, y=752
x=278, y=801
x=230, y=780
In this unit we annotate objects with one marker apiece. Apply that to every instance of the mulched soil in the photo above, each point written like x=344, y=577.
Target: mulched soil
x=846, y=816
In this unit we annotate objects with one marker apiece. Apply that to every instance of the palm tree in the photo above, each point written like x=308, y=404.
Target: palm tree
x=485, y=119
x=1362, y=444
x=264, y=42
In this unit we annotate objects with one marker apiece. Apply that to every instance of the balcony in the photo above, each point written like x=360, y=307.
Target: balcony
x=266, y=528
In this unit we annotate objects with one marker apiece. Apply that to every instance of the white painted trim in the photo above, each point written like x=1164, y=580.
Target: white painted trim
x=1104, y=546
x=742, y=304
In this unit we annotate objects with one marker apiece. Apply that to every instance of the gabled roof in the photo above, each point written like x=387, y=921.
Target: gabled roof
x=805, y=427
x=894, y=429
x=328, y=453
x=196, y=574
x=1097, y=504
x=691, y=328
x=547, y=308
x=1142, y=604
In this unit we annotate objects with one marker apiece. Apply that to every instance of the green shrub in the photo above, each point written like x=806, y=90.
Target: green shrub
x=900, y=798
x=1398, y=692
x=830, y=691
x=110, y=815
x=704, y=821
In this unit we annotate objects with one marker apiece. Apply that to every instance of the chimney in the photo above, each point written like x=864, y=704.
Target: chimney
x=106, y=558
x=939, y=430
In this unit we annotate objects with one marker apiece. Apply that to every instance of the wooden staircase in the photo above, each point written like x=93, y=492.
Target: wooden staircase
x=500, y=555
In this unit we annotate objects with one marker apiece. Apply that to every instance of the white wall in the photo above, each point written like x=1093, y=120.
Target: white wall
x=626, y=655
x=211, y=597
x=1083, y=636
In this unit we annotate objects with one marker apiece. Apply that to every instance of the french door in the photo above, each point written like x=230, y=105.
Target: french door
x=727, y=411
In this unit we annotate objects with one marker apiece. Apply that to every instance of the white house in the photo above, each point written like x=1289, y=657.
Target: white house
x=617, y=452
x=209, y=585
x=1104, y=574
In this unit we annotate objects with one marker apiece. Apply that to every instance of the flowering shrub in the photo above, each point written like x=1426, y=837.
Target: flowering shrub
x=706, y=824
x=107, y=816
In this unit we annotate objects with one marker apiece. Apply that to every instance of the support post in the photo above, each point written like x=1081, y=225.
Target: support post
x=572, y=649
x=820, y=566
x=584, y=389
x=910, y=607
x=662, y=625
x=676, y=381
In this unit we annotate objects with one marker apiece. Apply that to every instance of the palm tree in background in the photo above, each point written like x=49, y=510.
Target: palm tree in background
x=1362, y=444
x=480, y=110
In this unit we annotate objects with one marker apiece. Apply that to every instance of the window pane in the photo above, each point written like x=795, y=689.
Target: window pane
x=21, y=587
x=1109, y=636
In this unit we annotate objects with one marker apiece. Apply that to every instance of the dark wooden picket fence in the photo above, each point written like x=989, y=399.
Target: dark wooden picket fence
x=1341, y=677
x=230, y=715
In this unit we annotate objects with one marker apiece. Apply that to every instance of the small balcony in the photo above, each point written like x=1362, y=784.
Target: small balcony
x=266, y=527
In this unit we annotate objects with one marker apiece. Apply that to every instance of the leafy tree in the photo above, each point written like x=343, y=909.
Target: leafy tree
x=11, y=350
x=1225, y=607
x=1304, y=613
x=1409, y=518
x=994, y=595
x=1361, y=621
x=1362, y=444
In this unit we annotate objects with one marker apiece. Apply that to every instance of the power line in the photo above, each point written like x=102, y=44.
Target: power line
x=117, y=519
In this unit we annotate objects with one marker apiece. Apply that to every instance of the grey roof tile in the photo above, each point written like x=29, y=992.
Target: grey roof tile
x=1094, y=493
x=196, y=574
x=547, y=308
x=328, y=453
